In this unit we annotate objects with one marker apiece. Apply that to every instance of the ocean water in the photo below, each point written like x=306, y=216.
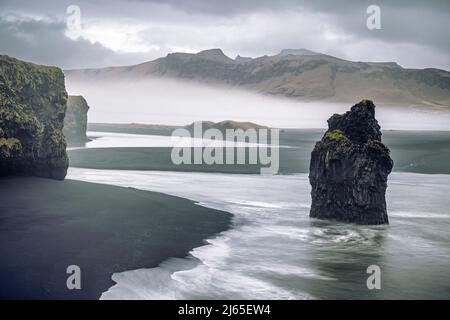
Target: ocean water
x=275, y=251
x=127, y=140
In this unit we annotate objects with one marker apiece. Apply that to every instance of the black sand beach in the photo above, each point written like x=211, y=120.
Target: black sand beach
x=47, y=225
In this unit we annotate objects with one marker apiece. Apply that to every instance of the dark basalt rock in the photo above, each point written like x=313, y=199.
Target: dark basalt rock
x=32, y=108
x=349, y=169
x=75, y=122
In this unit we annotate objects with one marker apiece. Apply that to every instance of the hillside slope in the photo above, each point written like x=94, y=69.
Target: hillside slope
x=300, y=74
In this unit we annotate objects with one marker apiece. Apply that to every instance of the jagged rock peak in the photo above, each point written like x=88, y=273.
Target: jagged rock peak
x=358, y=124
x=214, y=54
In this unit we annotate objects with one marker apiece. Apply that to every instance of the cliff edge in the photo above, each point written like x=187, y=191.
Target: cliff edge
x=32, y=108
x=349, y=169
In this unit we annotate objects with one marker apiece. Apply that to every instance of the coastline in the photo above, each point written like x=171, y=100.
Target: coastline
x=48, y=225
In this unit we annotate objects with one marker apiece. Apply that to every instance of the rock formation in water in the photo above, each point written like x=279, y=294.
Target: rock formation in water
x=349, y=169
x=32, y=108
x=75, y=122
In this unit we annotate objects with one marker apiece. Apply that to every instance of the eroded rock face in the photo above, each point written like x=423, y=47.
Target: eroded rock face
x=32, y=107
x=349, y=169
x=75, y=122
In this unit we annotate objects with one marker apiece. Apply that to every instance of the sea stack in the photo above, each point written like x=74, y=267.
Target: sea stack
x=75, y=122
x=349, y=169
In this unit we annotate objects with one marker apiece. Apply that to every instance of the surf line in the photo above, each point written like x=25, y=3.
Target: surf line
x=248, y=147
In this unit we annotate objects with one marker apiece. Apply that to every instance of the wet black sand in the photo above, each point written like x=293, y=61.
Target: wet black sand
x=47, y=225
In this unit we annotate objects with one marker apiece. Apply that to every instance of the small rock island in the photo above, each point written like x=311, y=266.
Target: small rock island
x=75, y=122
x=349, y=169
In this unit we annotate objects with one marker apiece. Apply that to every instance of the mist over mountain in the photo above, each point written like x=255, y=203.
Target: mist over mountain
x=294, y=73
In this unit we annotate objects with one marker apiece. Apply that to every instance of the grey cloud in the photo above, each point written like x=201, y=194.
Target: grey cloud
x=415, y=23
x=234, y=7
x=44, y=42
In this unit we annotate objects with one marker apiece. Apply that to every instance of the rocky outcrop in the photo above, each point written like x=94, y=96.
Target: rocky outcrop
x=349, y=169
x=75, y=122
x=32, y=108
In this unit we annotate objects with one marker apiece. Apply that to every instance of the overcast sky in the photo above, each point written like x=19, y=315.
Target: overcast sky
x=122, y=32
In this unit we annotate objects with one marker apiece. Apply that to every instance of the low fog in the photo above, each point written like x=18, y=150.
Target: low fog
x=173, y=102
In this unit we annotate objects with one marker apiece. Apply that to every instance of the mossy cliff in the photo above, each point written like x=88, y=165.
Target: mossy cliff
x=349, y=169
x=32, y=108
x=75, y=122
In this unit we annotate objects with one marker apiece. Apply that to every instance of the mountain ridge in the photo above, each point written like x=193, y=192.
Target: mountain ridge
x=295, y=73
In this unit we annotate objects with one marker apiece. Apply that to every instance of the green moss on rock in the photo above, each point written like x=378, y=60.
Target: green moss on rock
x=32, y=109
x=335, y=135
